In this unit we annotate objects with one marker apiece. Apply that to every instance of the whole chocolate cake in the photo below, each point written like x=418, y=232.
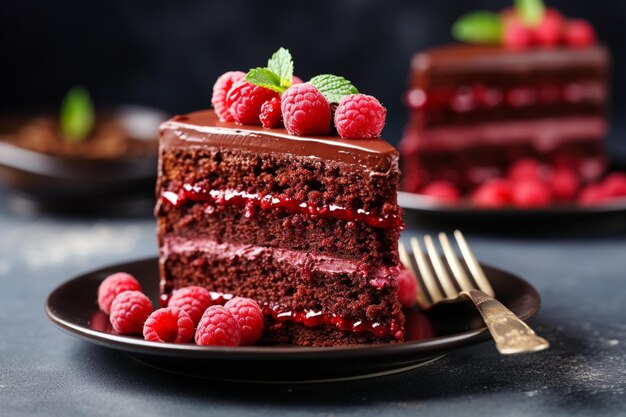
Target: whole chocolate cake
x=305, y=225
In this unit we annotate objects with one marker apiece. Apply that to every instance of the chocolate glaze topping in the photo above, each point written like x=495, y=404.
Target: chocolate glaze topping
x=203, y=128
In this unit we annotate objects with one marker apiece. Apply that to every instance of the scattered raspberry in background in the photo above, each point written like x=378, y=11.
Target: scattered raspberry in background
x=129, y=311
x=112, y=285
x=550, y=30
x=218, y=327
x=443, y=191
x=493, y=194
x=194, y=300
x=244, y=101
x=526, y=168
x=407, y=288
x=249, y=317
x=220, y=89
x=579, y=33
x=305, y=110
x=564, y=184
x=170, y=325
x=360, y=116
x=270, y=113
x=296, y=80
x=531, y=193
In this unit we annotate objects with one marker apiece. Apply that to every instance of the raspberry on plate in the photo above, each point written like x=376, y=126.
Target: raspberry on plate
x=169, y=325
x=443, y=191
x=218, y=327
x=250, y=318
x=305, y=110
x=129, y=312
x=614, y=184
x=360, y=116
x=531, y=193
x=564, y=184
x=244, y=101
x=194, y=300
x=220, y=89
x=525, y=168
x=493, y=194
x=112, y=285
x=270, y=113
x=407, y=288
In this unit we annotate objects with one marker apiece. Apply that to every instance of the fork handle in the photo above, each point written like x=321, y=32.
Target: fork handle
x=510, y=333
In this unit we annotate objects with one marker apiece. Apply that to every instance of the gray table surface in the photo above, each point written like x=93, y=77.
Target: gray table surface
x=45, y=372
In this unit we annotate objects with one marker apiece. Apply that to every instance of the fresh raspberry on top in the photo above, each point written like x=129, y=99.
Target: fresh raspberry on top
x=250, y=318
x=218, y=327
x=112, y=286
x=360, y=116
x=443, y=191
x=194, y=300
x=530, y=193
x=407, y=288
x=169, y=325
x=525, y=168
x=270, y=113
x=129, y=312
x=305, y=110
x=244, y=101
x=564, y=184
x=550, y=30
x=515, y=34
x=220, y=90
x=493, y=194
x=579, y=33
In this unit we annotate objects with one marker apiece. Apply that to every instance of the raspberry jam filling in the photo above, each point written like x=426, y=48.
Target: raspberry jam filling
x=467, y=98
x=313, y=318
x=254, y=202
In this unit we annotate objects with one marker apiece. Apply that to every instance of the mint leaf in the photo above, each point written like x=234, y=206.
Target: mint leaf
x=530, y=11
x=77, y=114
x=281, y=64
x=478, y=27
x=333, y=87
x=265, y=78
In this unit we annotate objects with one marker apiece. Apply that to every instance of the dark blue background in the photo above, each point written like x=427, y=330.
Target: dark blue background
x=168, y=53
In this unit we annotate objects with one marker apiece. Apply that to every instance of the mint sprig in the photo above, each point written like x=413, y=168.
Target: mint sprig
x=278, y=73
x=77, y=114
x=478, y=27
x=531, y=12
x=333, y=87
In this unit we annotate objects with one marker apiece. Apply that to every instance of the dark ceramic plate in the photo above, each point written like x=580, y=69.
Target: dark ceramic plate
x=57, y=181
x=72, y=307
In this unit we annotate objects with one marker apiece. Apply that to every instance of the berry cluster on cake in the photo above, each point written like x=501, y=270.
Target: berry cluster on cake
x=526, y=93
x=260, y=198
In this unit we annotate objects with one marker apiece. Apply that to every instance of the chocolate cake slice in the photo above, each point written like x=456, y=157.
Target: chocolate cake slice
x=475, y=109
x=306, y=226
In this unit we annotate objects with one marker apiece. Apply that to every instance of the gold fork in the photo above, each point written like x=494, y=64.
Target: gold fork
x=510, y=333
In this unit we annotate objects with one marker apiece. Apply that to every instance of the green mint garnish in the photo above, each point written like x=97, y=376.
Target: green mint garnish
x=478, y=27
x=281, y=64
x=333, y=87
x=277, y=75
x=77, y=114
x=530, y=11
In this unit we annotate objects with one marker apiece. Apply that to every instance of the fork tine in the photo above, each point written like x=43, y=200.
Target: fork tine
x=473, y=265
x=455, y=265
x=425, y=272
x=422, y=301
x=440, y=270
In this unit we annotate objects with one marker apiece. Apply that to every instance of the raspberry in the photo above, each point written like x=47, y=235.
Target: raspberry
x=614, y=185
x=564, y=184
x=493, y=194
x=592, y=195
x=169, y=325
x=129, y=311
x=244, y=101
x=250, y=318
x=549, y=31
x=270, y=113
x=530, y=193
x=516, y=35
x=112, y=286
x=525, y=168
x=194, y=300
x=579, y=33
x=296, y=80
x=305, y=110
x=407, y=288
x=218, y=327
x=360, y=116
x=443, y=191
x=220, y=90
